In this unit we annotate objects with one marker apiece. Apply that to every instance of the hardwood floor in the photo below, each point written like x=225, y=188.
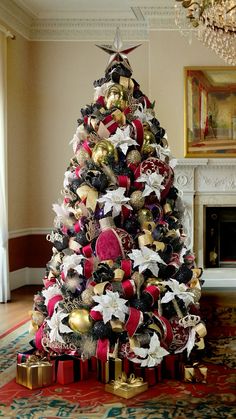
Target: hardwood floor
x=17, y=309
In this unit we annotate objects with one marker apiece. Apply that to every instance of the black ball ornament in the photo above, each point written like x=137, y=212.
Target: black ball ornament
x=131, y=225
x=81, y=238
x=101, y=330
x=140, y=304
x=184, y=275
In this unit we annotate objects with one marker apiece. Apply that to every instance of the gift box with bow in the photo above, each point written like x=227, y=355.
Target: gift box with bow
x=127, y=387
x=34, y=373
x=196, y=373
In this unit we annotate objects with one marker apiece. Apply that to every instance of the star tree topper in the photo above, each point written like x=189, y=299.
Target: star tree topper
x=117, y=54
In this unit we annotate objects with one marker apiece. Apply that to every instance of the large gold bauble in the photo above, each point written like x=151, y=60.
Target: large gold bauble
x=102, y=151
x=79, y=320
x=148, y=140
x=116, y=97
x=137, y=200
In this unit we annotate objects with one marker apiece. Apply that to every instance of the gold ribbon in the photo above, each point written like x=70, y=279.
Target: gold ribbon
x=200, y=329
x=126, y=82
x=90, y=194
x=125, y=382
x=146, y=239
x=34, y=360
x=118, y=275
x=100, y=288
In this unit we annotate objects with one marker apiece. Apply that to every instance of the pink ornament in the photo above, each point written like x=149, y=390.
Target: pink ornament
x=113, y=242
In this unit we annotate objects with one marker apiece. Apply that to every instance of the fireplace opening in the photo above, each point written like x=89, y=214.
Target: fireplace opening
x=220, y=237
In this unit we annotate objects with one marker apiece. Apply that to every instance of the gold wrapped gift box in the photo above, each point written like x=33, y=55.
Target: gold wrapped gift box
x=126, y=387
x=195, y=373
x=34, y=374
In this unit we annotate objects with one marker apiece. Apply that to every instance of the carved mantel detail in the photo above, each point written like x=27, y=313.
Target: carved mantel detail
x=206, y=182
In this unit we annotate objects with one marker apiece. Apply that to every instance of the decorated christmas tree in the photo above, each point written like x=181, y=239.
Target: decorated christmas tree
x=121, y=282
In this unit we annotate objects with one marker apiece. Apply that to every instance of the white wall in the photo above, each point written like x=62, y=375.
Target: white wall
x=62, y=76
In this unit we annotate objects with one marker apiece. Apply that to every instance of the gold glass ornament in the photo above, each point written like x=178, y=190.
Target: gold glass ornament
x=116, y=97
x=79, y=320
x=102, y=151
x=137, y=200
x=148, y=140
x=144, y=215
x=133, y=157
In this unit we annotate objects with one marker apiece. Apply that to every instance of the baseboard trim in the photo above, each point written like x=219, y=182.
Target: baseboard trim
x=26, y=276
x=29, y=231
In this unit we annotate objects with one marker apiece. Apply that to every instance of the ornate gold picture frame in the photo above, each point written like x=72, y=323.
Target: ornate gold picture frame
x=210, y=111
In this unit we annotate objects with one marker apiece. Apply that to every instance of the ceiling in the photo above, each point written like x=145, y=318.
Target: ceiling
x=87, y=19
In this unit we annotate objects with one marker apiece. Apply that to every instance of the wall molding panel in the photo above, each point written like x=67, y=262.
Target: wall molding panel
x=26, y=276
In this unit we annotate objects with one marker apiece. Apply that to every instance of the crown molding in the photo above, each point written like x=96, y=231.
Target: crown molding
x=17, y=19
x=64, y=29
x=88, y=29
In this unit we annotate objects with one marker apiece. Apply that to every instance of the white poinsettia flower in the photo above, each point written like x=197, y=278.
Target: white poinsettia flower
x=51, y=292
x=162, y=152
x=114, y=200
x=122, y=139
x=101, y=90
x=79, y=136
x=146, y=258
x=72, y=262
x=110, y=305
x=179, y=290
x=144, y=114
x=153, y=183
x=63, y=214
x=75, y=142
x=152, y=356
x=57, y=327
x=68, y=177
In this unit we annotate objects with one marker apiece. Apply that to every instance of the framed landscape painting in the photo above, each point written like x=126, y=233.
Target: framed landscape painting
x=210, y=111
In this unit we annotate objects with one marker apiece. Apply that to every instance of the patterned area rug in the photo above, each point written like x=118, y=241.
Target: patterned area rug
x=221, y=334
x=170, y=399
x=16, y=341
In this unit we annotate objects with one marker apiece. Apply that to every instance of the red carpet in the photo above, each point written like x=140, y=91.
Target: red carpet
x=86, y=400
x=170, y=399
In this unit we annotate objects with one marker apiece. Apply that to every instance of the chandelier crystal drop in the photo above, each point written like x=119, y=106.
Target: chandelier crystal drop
x=213, y=22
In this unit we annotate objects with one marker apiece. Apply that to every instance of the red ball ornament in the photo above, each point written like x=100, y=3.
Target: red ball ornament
x=180, y=335
x=154, y=165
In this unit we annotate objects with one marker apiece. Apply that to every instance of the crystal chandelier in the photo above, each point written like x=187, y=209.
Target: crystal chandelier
x=214, y=22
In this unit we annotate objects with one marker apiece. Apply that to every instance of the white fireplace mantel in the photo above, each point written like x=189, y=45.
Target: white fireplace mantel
x=206, y=182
